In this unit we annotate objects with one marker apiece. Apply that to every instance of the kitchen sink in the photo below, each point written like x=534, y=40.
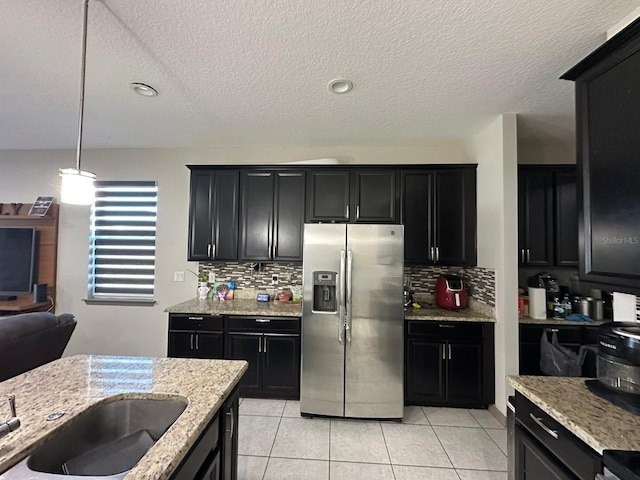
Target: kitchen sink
x=104, y=442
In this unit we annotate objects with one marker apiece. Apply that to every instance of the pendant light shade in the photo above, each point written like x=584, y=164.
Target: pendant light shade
x=77, y=185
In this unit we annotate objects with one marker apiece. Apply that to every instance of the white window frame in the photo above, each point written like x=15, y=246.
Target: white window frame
x=122, y=243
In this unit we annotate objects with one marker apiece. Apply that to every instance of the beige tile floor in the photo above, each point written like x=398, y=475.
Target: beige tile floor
x=275, y=443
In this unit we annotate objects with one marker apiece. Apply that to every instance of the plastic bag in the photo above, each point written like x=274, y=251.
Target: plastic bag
x=557, y=360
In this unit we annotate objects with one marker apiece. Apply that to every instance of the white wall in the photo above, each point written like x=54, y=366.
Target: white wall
x=126, y=330
x=495, y=151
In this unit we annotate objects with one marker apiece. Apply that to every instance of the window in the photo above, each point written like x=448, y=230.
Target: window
x=123, y=243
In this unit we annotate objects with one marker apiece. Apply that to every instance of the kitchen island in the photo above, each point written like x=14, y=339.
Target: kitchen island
x=563, y=430
x=80, y=383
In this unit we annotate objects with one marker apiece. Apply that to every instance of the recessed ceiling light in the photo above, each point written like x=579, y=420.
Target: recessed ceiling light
x=144, y=90
x=340, y=85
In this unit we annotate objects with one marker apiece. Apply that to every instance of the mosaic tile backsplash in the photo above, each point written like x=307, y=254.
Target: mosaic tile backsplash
x=480, y=281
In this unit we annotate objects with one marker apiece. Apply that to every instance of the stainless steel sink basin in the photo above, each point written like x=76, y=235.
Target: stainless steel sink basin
x=103, y=442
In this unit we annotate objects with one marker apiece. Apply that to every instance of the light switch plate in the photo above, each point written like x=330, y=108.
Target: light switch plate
x=274, y=279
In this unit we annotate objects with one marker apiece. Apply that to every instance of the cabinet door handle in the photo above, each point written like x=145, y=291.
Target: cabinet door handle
x=431, y=255
x=209, y=250
x=357, y=212
x=528, y=256
x=260, y=345
x=191, y=341
x=449, y=351
x=197, y=341
x=444, y=355
x=522, y=255
x=233, y=426
x=437, y=254
x=347, y=212
x=213, y=251
x=540, y=423
x=265, y=345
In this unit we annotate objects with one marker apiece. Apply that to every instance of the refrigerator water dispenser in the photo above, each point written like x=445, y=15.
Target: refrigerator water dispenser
x=324, y=292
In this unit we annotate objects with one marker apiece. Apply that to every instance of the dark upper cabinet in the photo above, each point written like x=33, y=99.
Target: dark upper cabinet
x=535, y=216
x=566, y=218
x=439, y=216
x=328, y=196
x=358, y=196
x=213, y=215
x=272, y=215
x=608, y=147
x=547, y=215
x=374, y=197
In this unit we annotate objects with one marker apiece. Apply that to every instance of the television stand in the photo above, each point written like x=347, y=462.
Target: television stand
x=23, y=304
x=8, y=298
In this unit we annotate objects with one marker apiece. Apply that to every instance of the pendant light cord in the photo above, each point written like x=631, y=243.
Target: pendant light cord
x=82, y=82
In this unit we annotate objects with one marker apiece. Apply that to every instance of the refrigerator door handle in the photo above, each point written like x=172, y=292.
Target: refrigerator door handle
x=347, y=324
x=341, y=307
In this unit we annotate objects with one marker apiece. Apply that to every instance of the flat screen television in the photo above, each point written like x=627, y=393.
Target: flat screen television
x=17, y=261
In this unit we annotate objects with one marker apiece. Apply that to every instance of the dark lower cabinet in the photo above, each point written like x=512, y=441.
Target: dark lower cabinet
x=272, y=347
x=214, y=455
x=535, y=463
x=545, y=450
x=195, y=336
x=570, y=336
x=449, y=364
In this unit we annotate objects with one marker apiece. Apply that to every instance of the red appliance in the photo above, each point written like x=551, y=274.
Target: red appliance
x=451, y=292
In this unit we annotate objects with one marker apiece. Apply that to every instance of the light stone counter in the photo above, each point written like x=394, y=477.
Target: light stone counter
x=252, y=307
x=558, y=321
x=75, y=384
x=597, y=422
x=237, y=306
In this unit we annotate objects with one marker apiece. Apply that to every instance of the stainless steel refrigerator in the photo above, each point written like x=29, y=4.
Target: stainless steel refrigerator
x=352, y=321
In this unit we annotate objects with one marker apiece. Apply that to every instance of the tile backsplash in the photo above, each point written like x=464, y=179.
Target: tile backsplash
x=481, y=281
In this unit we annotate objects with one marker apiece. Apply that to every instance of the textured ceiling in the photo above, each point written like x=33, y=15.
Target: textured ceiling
x=240, y=72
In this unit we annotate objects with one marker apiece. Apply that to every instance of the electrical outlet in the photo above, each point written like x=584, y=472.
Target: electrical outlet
x=274, y=279
x=212, y=277
x=178, y=276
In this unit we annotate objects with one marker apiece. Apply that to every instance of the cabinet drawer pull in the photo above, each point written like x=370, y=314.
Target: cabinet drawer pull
x=196, y=318
x=263, y=320
x=539, y=422
x=442, y=325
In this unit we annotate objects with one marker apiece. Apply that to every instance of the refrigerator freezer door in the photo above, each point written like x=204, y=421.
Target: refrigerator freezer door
x=374, y=366
x=322, y=373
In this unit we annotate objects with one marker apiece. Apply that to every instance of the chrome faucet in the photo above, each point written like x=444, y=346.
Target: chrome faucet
x=13, y=423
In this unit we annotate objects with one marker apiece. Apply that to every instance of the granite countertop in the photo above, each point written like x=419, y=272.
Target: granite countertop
x=252, y=307
x=238, y=306
x=441, y=314
x=597, y=422
x=75, y=384
x=557, y=321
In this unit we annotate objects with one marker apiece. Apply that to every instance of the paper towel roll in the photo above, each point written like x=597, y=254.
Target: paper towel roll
x=537, y=303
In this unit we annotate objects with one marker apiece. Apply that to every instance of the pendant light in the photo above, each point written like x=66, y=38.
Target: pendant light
x=77, y=185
